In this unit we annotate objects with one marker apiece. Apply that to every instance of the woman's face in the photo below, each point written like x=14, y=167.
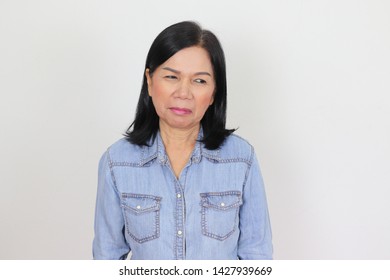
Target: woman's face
x=182, y=88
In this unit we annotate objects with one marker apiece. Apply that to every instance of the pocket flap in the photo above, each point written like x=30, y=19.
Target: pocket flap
x=140, y=203
x=221, y=200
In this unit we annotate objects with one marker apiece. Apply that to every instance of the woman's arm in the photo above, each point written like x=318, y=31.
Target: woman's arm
x=255, y=241
x=109, y=241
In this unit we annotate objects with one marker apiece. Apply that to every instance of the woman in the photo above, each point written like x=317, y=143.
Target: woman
x=180, y=185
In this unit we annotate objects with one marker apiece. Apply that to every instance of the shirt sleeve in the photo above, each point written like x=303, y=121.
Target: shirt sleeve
x=255, y=240
x=109, y=241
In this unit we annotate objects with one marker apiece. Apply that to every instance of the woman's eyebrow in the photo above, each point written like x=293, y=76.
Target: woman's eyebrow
x=178, y=72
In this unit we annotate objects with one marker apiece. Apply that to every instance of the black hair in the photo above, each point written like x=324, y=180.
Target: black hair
x=171, y=40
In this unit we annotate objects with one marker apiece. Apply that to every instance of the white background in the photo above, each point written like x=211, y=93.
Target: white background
x=308, y=86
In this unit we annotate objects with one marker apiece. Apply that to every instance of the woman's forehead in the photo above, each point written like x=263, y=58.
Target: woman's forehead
x=189, y=60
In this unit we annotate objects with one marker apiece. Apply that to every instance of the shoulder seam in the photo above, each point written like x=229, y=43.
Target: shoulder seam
x=249, y=166
x=244, y=156
x=110, y=164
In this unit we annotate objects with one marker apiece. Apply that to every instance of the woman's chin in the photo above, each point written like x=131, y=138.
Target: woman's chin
x=180, y=124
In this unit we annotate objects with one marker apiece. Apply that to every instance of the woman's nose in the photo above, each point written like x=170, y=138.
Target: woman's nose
x=184, y=90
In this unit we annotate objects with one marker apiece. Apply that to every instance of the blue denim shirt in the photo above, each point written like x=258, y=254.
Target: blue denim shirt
x=216, y=209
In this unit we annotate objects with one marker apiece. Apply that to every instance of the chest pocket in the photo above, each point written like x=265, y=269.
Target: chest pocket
x=142, y=216
x=220, y=213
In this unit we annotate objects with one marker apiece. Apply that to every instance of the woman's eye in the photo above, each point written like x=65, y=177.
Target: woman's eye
x=200, y=81
x=170, y=77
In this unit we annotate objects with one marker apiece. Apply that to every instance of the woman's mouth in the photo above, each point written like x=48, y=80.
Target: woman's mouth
x=180, y=111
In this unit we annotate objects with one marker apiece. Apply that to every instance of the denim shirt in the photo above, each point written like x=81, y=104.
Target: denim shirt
x=216, y=209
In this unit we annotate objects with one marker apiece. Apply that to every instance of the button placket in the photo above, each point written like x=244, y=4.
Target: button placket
x=180, y=217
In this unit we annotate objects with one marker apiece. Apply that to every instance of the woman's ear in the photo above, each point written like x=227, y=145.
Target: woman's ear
x=148, y=80
x=212, y=98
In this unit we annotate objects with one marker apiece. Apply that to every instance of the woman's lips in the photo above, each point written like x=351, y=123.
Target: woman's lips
x=180, y=111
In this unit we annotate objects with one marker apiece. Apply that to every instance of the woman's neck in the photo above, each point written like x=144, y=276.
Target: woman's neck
x=178, y=138
x=179, y=144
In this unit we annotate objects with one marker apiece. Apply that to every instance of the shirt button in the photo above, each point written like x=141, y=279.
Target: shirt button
x=138, y=207
x=179, y=232
x=222, y=204
x=178, y=195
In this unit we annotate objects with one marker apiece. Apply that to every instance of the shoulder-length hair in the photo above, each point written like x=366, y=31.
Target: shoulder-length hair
x=171, y=40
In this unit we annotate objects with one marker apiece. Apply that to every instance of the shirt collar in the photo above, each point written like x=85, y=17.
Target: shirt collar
x=157, y=150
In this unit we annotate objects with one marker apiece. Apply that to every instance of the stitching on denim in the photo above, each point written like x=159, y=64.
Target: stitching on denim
x=216, y=207
x=147, y=153
x=137, y=195
x=156, y=200
x=141, y=211
x=156, y=230
x=157, y=223
x=125, y=163
x=142, y=162
x=148, y=159
x=143, y=151
x=178, y=220
x=152, y=210
x=145, y=239
x=179, y=225
x=203, y=218
x=229, y=160
x=234, y=160
x=196, y=154
x=185, y=177
x=215, y=154
x=220, y=193
x=215, y=236
x=205, y=208
x=111, y=171
x=176, y=214
x=249, y=167
x=212, y=157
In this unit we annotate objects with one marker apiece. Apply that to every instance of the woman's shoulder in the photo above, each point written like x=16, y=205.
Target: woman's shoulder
x=124, y=151
x=236, y=147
